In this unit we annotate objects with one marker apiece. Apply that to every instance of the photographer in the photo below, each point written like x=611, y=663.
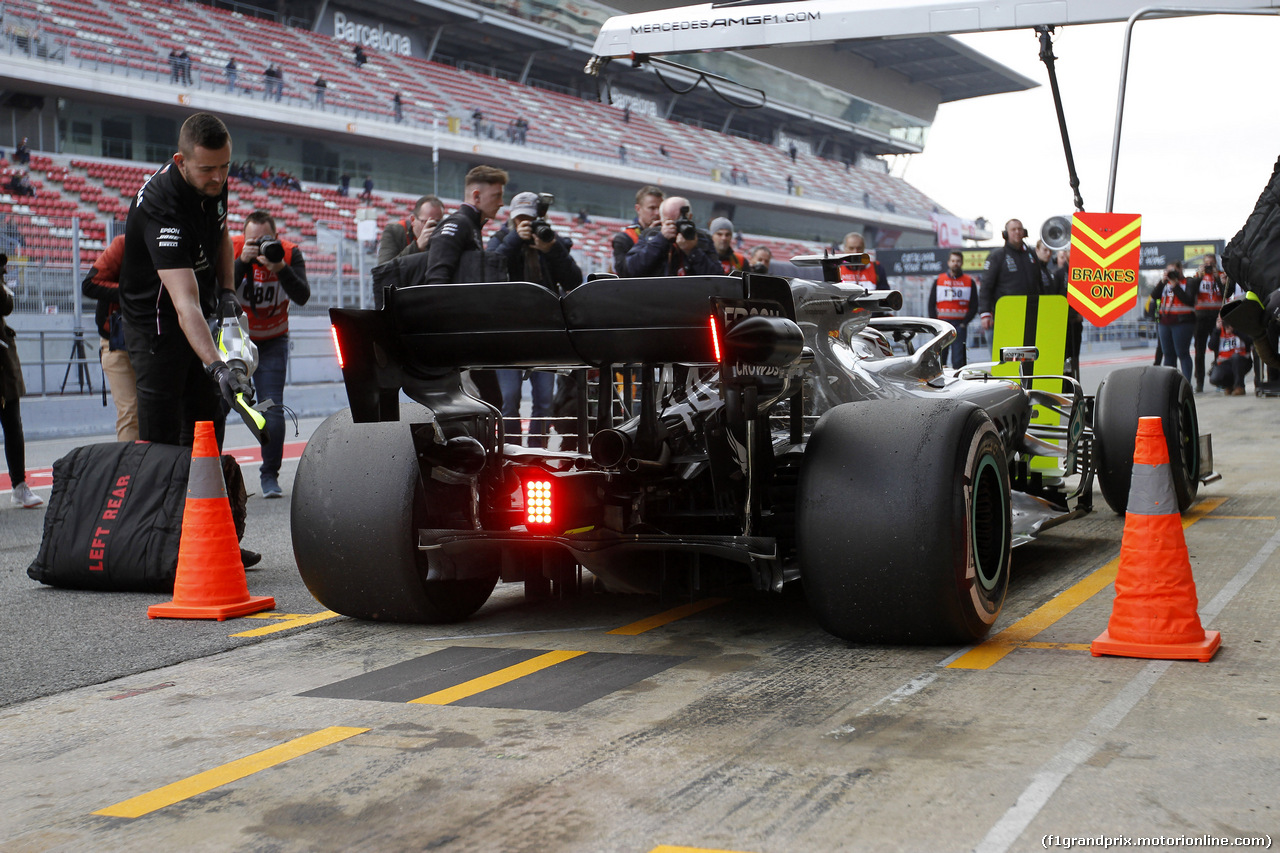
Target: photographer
x=1177, y=310
x=533, y=252
x=673, y=246
x=413, y=234
x=761, y=259
x=269, y=273
x=1209, y=299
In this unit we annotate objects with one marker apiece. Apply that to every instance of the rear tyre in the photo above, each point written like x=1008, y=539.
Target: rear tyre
x=357, y=506
x=1136, y=392
x=903, y=522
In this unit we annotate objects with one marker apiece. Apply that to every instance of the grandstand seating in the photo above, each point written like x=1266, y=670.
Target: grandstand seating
x=139, y=34
x=99, y=191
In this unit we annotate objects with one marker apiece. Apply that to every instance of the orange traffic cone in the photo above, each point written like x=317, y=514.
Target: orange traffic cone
x=1154, y=615
x=210, y=583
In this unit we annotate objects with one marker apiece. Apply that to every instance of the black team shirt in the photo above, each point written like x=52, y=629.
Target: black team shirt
x=170, y=226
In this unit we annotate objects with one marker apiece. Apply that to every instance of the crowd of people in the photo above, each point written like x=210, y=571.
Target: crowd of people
x=266, y=177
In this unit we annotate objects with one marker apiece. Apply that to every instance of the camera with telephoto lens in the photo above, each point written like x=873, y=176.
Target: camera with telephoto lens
x=685, y=226
x=542, y=230
x=272, y=249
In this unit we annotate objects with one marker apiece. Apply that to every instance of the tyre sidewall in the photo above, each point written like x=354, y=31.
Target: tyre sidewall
x=1131, y=393
x=883, y=521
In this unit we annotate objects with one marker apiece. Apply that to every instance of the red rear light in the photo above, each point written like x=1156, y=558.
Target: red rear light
x=715, y=338
x=538, y=500
x=337, y=347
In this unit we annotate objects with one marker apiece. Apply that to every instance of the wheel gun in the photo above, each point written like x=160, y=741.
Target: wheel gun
x=241, y=355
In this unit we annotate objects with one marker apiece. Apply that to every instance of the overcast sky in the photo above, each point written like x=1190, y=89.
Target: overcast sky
x=1201, y=128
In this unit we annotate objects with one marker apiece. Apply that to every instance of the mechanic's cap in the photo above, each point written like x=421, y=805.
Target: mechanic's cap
x=524, y=204
x=721, y=224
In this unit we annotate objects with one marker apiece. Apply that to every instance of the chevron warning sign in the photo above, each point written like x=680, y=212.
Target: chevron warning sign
x=1103, y=282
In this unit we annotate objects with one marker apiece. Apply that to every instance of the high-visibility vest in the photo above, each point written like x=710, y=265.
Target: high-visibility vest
x=1228, y=346
x=1171, y=304
x=737, y=261
x=1209, y=296
x=267, y=307
x=954, y=296
x=865, y=276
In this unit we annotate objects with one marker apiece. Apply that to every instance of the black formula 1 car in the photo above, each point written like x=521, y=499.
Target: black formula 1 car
x=784, y=430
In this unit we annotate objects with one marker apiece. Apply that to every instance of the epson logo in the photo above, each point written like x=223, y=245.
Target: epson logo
x=377, y=37
x=713, y=23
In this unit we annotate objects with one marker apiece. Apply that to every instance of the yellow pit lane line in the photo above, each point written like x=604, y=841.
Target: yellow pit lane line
x=1020, y=633
x=667, y=617
x=286, y=621
x=667, y=848
x=218, y=776
x=494, y=679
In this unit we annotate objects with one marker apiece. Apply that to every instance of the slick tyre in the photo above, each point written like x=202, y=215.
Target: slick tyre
x=357, y=504
x=1123, y=397
x=903, y=522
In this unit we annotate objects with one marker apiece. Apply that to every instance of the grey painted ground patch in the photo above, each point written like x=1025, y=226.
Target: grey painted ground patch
x=563, y=687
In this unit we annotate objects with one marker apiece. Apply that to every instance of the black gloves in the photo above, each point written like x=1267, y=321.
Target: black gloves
x=228, y=306
x=229, y=382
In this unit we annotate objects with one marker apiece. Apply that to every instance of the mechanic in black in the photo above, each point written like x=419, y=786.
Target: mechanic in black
x=1075, y=322
x=456, y=253
x=662, y=251
x=1010, y=270
x=648, y=200
x=177, y=269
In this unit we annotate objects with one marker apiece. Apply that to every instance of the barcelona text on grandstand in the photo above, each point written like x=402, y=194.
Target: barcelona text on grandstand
x=374, y=37
x=1106, y=842
x=711, y=23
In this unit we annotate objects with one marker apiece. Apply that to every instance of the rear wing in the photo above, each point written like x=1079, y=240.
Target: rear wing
x=441, y=328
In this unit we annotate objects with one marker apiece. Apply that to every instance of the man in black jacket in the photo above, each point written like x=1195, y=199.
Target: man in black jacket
x=1010, y=271
x=545, y=262
x=663, y=250
x=456, y=253
x=177, y=269
x=648, y=200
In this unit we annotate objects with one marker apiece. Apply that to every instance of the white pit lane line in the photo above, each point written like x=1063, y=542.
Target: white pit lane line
x=1054, y=771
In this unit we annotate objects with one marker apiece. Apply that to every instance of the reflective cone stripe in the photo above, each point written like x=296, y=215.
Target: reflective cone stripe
x=1154, y=615
x=1156, y=602
x=210, y=582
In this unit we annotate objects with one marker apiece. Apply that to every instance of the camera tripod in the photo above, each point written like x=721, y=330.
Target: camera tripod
x=78, y=359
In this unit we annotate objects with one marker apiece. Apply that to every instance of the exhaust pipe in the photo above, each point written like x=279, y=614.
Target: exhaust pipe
x=610, y=448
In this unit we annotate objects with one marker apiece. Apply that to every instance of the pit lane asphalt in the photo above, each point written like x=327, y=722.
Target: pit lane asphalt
x=759, y=733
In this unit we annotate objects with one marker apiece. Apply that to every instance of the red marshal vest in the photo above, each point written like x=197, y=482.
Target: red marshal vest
x=267, y=307
x=954, y=295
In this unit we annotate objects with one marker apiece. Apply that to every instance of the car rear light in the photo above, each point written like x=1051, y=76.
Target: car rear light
x=337, y=347
x=715, y=338
x=538, y=509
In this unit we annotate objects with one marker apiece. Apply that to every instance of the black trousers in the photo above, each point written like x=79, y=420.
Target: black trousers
x=15, y=451
x=1230, y=374
x=1205, y=321
x=173, y=390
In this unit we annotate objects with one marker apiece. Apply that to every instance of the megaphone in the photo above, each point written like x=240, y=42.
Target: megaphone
x=1056, y=232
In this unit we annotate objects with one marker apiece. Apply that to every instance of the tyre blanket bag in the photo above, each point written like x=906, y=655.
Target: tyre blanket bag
x=114, y=518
